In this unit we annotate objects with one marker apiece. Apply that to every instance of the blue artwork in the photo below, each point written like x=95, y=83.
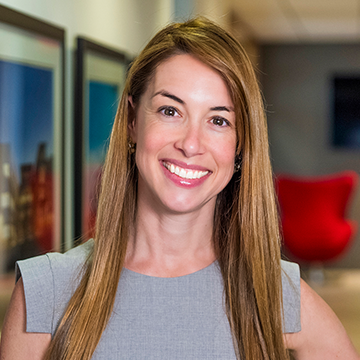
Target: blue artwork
x=26, y=110
x=26, y=154
x=103, y=100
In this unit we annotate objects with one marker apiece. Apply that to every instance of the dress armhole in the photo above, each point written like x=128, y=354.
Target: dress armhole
x=38, y=281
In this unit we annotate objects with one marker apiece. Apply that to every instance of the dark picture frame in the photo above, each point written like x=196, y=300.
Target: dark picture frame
x=32, y=89
x=100, y=76
x=346, y=111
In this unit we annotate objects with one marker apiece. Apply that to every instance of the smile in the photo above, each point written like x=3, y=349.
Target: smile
x=184, y=173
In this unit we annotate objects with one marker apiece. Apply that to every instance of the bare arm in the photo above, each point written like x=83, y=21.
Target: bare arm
x=322, y=335
x=16, y=343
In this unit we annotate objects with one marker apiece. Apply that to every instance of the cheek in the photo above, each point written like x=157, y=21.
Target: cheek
x=225, y=152
x=151, y=140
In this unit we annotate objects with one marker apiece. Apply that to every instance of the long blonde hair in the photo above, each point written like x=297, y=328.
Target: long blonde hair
x=245, y=234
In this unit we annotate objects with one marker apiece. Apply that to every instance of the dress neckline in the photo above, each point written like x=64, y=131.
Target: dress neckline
x=196, y=273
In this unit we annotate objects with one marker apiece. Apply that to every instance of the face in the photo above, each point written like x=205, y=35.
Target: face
x=184, y=130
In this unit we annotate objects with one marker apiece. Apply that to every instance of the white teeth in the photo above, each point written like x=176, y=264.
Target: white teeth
x=183, y=173
x=189, y=175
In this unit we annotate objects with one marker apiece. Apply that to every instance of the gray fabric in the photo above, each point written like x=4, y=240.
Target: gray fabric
x=153, y=318
x=291, y=296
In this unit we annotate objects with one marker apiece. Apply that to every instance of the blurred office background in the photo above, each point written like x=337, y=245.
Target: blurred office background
x=297, y=46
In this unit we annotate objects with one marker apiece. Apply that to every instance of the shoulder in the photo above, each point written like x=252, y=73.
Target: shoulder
x=16, y=343
x=322, y=335
x=49, y=282
x=55, y=262
x=290, y=278
x=291, y=296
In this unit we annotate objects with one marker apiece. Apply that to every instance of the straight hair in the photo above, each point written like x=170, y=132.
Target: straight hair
x=246, y=231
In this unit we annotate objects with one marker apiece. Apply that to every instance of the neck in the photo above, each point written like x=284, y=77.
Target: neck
x=168, y=245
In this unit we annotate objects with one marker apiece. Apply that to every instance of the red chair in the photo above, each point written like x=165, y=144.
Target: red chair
x=313, y=215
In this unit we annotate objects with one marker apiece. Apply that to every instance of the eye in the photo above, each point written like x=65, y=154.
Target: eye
x=219, y=121
x=169, y=111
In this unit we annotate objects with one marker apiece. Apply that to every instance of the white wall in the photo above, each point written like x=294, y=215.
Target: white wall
x=125, y=25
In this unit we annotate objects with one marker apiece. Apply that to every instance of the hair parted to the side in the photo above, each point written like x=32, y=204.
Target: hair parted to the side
x=245, y=234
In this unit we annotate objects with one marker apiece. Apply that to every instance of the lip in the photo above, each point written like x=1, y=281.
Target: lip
x=185, y=183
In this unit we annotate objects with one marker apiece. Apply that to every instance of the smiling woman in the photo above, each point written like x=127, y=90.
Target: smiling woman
x=181, y=115
x=185, y=263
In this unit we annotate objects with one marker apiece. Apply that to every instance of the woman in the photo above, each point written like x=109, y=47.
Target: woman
x=186, y=259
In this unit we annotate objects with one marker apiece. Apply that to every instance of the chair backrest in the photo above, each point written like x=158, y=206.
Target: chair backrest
x=313, y=214
x=315, y=199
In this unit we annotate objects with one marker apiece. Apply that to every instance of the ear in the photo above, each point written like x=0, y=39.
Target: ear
x=131, y=119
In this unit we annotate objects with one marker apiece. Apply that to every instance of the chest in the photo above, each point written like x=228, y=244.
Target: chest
x=181, y=318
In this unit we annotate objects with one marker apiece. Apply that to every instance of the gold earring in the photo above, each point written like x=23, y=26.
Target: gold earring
x=237, y=164
x=132, y=146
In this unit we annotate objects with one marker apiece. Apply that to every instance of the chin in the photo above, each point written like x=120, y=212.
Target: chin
x=187, y=205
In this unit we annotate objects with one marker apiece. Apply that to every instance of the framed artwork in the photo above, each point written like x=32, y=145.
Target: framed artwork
x=31, y=137
x=100, y=77
x=346, y=111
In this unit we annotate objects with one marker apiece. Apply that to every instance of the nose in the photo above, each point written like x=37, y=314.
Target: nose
x=191, y=140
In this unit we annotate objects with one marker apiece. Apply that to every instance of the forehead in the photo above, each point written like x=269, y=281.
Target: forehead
x=187, y=76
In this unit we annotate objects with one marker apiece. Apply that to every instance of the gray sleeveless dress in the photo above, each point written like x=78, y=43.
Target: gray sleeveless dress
x=153, y=318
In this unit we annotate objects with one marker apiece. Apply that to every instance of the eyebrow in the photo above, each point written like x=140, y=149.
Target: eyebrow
x=222, y=108
x=170, y=96
x=180, y=101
